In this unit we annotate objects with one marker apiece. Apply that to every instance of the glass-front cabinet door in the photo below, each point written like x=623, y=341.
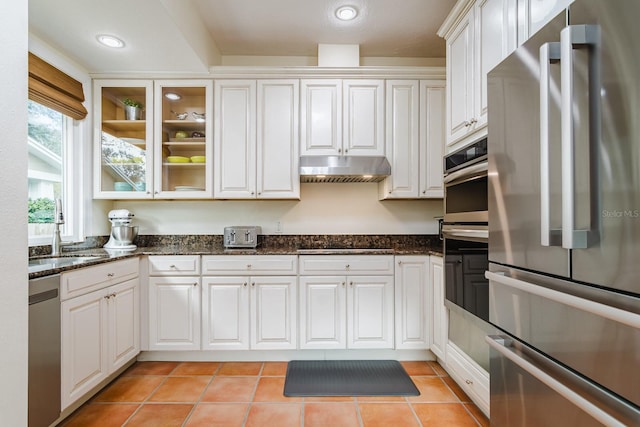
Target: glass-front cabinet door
x=123, y=135
x=183, y=139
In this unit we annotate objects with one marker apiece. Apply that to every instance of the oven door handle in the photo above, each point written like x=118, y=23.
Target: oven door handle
x=466, y=233
x=606, y=311
x=501, y=345
x=467, y=174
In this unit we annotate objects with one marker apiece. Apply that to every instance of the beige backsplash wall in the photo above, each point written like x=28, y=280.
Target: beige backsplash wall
x=323, y=209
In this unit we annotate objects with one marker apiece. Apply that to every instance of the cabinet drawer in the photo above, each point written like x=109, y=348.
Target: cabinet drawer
x=243, y=265
x=175, y=265
x=471, y=378
x=346, y=264
x=84, y=280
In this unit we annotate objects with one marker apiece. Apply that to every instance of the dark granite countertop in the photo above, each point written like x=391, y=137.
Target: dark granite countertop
x=271, y=245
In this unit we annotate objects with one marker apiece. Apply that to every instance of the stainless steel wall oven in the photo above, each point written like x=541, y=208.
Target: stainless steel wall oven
x=465, y=229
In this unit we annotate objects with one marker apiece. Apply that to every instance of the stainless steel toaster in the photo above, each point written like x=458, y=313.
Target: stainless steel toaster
x=242, y=236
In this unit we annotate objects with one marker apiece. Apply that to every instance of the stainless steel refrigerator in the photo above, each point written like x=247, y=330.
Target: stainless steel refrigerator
x=564, y=222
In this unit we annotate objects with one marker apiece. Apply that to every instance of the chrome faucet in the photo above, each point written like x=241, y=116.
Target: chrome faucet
x=58, y=220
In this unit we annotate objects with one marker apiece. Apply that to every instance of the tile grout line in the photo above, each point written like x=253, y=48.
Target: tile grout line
x=186, y=420
x=141, y=404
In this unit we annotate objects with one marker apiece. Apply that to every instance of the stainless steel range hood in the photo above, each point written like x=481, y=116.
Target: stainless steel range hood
x=344, y=168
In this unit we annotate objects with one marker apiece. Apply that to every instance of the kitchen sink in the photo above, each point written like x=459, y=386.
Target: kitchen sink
x=50, y=263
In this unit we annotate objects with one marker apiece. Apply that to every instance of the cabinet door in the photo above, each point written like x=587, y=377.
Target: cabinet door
x=413, y=302
x=278, y=171
x=370, y=312
x=84, y=340
x=402, y=141
x=183, y=159
x=225, y=313
x=174, y=313
x=123, y=154
x=460, y=79
x=440, y=312
x=322, y=312
x=273, y=312
x=124, y=323
x=235, y=139
x=495, y=38
x=535, y=14
x=432, y=138
x=321, y=117
x=363, y=125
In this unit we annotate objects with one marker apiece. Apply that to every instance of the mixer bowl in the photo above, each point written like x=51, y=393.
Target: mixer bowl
x=124, y=234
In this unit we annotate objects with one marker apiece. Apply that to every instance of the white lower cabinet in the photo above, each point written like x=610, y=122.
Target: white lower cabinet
x=174, y=313
x=249, y=302
x=100, y=333
x=413, y=295
x=338, y=312
x=440, y=334
x=242, y=313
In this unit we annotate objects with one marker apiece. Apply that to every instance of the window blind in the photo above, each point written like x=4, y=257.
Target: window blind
x=53, y=88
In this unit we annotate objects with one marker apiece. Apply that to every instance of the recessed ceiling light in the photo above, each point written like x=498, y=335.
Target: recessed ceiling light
x=346, y=13
x=110, y=41
x=172, y=96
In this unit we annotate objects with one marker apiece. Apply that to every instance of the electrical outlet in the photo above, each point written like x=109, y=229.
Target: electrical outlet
x=279, y=227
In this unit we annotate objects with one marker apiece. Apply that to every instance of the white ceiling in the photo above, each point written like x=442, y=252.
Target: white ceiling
x=191, y=35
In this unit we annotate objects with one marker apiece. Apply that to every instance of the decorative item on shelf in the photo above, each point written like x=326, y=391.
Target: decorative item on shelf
x=182, y=134
x=197, y=134
x=180, y=116
x=198, y=116
x=177, y=159
x=132, y=109
x=122, y=186
x=198, y=159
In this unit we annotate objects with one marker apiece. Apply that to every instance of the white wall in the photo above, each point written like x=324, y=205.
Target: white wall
x=13, y=212
x=323, y=209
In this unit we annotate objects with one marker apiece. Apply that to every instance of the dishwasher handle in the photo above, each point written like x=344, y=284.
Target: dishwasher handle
x=43, y=296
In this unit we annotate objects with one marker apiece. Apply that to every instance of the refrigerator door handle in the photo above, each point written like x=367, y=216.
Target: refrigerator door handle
x=501, y=345
x=570, y=37
x=606, y=311
x=549, y=53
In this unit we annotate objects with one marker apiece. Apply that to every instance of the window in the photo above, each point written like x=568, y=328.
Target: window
x=51, y=173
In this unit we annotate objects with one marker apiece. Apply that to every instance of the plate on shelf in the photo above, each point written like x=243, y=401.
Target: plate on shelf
x=188, y=188
x=197, y=139
x=178, y=159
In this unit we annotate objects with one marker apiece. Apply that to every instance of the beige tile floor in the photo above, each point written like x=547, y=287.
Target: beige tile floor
x=250, y=394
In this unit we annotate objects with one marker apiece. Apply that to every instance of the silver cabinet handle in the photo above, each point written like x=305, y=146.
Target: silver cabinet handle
x=348, y=266
x=466, y=123
x=172, y=266
x=253, y=283
x=399, y=262
x=110, y=274
x=113, y=295
x=346, y=150
x=612, y=313
x=343, y=283
x=107, y=297
x=339, y=150
x=552, y=383
x=350, y=283
x=244, y=284
x=468, y=382
x=195, y=283
x=549, y=53
x=579, y=35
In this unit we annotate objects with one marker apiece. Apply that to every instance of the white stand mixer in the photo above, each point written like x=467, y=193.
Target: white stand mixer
x=122, y=233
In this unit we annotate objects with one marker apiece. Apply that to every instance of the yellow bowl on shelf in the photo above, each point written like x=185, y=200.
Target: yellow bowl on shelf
x=177, y=159
x=198, y=159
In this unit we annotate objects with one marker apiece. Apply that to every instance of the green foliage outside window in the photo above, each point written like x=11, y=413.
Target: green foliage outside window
x=41, y=210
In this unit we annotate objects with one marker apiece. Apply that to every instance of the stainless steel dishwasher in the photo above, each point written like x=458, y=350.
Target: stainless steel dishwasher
x=44, y=350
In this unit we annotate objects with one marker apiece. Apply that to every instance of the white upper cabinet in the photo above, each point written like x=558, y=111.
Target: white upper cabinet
x=183, y=139
x=415, y=114
x=278, y=171
x=256, y=139
x=342, y=117
x=234, y=139
x=363, y=126
x=321, y=117
x=478, y=36
x=534, y=14
x=123, y=155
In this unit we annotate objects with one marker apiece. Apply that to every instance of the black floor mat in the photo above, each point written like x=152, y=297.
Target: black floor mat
x=348, y=378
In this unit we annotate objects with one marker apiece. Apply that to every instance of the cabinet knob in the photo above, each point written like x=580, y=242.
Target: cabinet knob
x=248, y=266
x=468, y=382
x=473, y=120
x=347, y=266
x=148, y=192
x=107, y=296
x=424, y=191
x=343, y=283
x=244, y=284
x=399, y=262
x=110, y=274
x=172, y=266
x=155, y=192
x=350, y=283
x=113, y=295
x=195, y=283
x=259, y=193
x=346, y=150
x=253, y=283
x=252, y=193
x=466, y=123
